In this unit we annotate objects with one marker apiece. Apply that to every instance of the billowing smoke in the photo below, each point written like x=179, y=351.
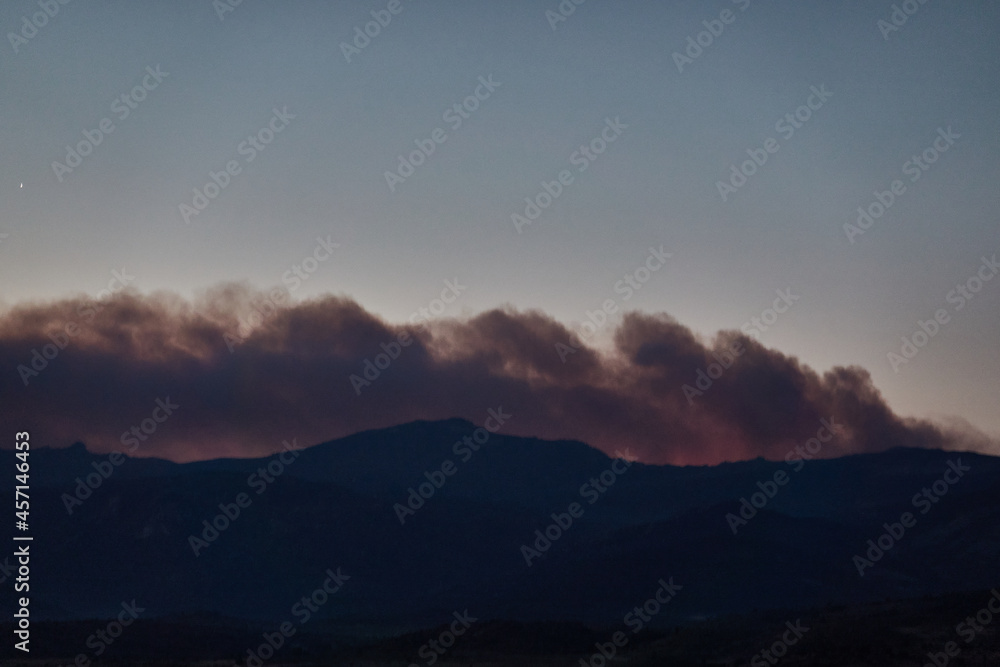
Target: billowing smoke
x=247, y=373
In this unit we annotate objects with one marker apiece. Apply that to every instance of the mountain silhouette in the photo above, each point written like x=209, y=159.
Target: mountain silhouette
x=337, y=505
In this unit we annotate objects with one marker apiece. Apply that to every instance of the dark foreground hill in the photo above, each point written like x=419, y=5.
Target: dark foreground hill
x=908, y=633
x=167, y=536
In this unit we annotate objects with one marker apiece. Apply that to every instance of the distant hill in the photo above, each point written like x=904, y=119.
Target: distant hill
x=332, y=507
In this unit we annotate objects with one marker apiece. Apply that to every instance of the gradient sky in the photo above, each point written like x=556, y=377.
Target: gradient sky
x=324, y=174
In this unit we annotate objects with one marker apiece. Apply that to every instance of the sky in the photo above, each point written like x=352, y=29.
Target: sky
x=680, y=116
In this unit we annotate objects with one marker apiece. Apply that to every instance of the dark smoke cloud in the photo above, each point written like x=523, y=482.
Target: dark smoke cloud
x=248, y=374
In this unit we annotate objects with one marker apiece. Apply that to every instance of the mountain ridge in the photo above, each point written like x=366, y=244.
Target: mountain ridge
x=463, y=545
